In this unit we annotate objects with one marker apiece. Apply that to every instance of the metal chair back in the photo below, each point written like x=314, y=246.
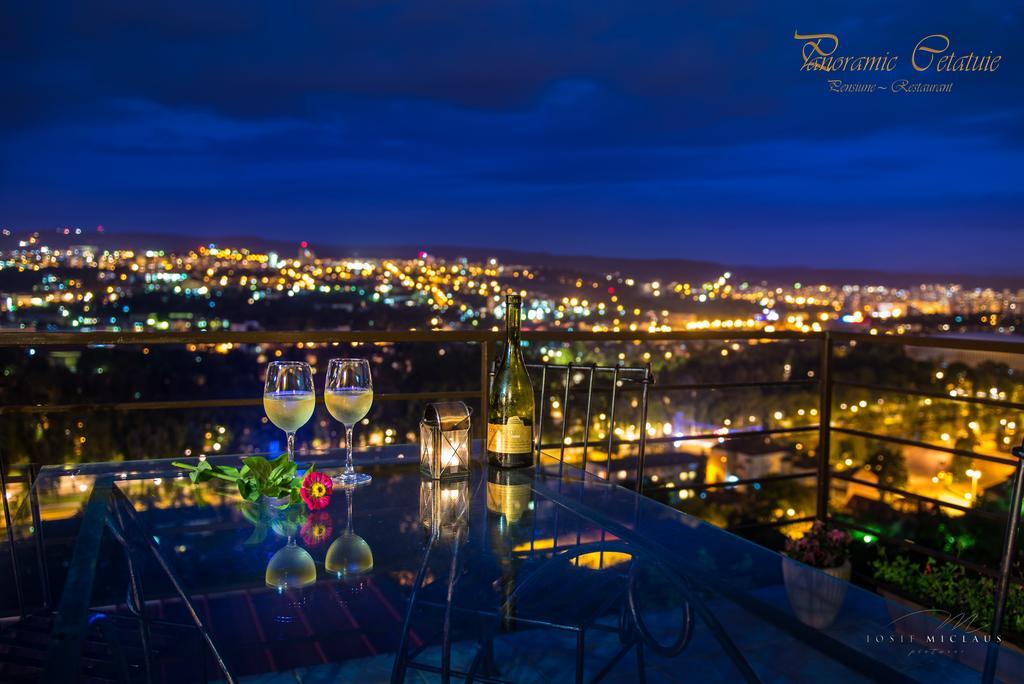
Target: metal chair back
x=574, y=386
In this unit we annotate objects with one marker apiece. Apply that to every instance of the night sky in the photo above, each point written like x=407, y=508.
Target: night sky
x=635, y=128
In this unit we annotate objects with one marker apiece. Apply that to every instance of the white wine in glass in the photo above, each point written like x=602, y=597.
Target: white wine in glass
x=289, y=410
x=349, y=406
x=288, y=397
x=349, y=395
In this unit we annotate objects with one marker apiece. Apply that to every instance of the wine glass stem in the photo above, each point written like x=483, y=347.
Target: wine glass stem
x=291, y=446
x=348, y=447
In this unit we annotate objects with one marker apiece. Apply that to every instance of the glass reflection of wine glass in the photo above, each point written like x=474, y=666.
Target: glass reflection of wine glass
x=349, y=556
x=288, y=397
x=291, y=572
x=348, y=394
x=291, y=567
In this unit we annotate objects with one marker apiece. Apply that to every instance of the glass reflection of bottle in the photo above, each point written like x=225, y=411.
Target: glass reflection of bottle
x=509, y=523
x=349, y=556
x=291, y=567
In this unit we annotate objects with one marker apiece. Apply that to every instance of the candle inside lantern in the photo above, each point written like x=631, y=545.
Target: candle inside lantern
x=444, y=440
x=449, y=454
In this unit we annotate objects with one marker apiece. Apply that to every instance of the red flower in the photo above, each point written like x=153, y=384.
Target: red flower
x=317, y=529
x=316, y=490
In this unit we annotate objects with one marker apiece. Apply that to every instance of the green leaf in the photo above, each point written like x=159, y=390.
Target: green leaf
x=248, y=490
x=259, y=467
x=251, y=513
x=293, y=498
x=259, y=533
x=227, y=471
x=282, y=472
x=195, y=472
x=199, y=497
x=276, y=491
x=280, y=461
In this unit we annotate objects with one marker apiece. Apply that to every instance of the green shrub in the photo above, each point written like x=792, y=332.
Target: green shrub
x=950, y=587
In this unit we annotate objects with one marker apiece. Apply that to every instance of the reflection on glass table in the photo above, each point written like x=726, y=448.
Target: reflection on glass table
x=349, y=557
x=543, y=575
x=291, y=567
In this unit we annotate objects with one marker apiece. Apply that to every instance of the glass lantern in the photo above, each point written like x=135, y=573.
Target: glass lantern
x=444, y=440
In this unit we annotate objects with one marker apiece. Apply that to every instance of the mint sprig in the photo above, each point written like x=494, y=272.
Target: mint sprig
x=257, y=477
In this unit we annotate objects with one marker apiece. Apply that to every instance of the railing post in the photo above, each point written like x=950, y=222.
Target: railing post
x=485, y=387
x=565, y=417
x=825, y=427
x=611, y=422
x=1005, y=565
x=642, y=447
x=15, y=570
x=586, y=419
x=37, y=524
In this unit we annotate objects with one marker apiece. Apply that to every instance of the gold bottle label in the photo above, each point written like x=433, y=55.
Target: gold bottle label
x=511, y=438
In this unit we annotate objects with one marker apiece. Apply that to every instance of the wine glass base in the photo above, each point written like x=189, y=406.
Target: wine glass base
x=351, y=479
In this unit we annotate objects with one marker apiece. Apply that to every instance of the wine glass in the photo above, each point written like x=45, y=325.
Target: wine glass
x=348, y=395
x=349, y=556
x=288, y=397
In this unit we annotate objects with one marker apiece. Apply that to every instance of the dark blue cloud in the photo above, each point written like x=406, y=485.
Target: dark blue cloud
x=656, y=128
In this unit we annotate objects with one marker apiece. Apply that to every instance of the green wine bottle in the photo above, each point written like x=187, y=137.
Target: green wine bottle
x=510, y=414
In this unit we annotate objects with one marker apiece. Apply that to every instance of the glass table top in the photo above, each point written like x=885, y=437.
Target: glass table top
x=547, y=575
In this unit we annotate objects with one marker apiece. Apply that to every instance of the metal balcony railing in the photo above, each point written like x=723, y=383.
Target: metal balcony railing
x=824, y=380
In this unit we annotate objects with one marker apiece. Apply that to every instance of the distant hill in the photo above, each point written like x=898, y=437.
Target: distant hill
x=668, y=269
x=685, y=269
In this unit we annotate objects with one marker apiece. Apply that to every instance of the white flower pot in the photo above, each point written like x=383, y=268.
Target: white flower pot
x=816, y=595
